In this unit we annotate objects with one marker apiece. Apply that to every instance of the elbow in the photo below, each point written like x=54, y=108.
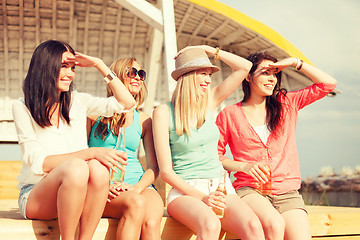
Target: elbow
x=130, y=104
x=164, y=176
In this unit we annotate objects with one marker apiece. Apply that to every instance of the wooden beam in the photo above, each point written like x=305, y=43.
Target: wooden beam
x=86, y=37
x=145, y=11
x=170, y=44
x=54, y=19
x=185, y=18
x=133, y=36
x=6, y=51
x=37, y=22
x=72, y=25
x=21, y=43
x=218, y=29
x=117, y=32
x=231, y=37
x=101, y=40
x=154, y=69
x=201, y=24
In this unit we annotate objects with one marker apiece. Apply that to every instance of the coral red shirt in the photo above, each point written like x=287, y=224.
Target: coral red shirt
x=280, y=151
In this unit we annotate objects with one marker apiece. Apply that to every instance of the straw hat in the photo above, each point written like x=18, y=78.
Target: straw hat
x=191, y=60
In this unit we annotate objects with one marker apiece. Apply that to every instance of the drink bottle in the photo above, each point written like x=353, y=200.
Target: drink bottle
x=221, y=188
x=266, y=187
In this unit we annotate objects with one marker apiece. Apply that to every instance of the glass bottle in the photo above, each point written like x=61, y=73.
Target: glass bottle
x=266, y=187
x=221, y=188
x=120, y=146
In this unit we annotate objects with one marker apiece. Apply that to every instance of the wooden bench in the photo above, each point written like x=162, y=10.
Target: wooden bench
x=326, y=222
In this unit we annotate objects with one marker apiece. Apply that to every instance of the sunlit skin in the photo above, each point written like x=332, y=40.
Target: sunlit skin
x=203, y=79
x=263, y=80
x=67, y=72
x=134, y=85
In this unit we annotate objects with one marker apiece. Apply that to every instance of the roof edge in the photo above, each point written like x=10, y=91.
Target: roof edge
x=258, y=27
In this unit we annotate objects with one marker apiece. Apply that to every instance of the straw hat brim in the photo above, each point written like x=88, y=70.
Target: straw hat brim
x=181, y=71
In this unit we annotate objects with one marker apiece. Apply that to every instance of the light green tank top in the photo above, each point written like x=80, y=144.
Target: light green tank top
x=195, y=156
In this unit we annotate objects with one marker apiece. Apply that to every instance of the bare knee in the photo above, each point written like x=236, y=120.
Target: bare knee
x=151, y=226
x=135, y=207
x=98, y=175
x=274, y=227
x=75, y=173
x=209, y=227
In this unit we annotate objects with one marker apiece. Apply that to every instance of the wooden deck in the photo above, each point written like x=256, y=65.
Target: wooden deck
x=340, y=223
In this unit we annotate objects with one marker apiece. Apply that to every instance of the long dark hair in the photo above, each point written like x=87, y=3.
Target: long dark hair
x=40, y=84
x=274, y=108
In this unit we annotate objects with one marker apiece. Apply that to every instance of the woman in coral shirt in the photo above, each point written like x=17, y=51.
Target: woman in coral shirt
x=260, y=131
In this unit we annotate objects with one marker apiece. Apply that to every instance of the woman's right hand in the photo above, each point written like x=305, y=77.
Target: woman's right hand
x=259, y=171
x=110, y=158
x=215, y=199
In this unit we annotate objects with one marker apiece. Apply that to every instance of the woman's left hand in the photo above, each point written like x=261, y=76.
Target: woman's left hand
x=282, y=64
x=116, y=189
x=83, y=60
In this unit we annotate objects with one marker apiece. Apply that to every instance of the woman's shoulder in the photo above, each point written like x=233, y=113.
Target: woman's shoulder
x=231, y=109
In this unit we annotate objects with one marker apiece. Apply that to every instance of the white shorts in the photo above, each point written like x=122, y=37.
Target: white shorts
x=205, y=186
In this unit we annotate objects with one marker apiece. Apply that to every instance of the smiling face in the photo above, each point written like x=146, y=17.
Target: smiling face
x=263, y=80
x=203, y=79
x=66, y=73
x=134, y=84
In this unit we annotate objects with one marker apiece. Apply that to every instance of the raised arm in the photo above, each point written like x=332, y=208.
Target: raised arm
x=121, y=93
x=315, y=74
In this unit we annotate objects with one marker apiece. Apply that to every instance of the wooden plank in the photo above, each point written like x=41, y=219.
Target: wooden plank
x=334, y=220
x=145, y=11
x=170, y=43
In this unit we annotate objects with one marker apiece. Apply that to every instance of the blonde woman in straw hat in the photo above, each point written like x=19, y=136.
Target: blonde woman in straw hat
x=186, y=137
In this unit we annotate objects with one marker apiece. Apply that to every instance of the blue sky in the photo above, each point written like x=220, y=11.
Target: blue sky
x=325, y=31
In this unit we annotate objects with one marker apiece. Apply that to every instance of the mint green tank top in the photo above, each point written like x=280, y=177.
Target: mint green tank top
x=195, y=156
x=133, y=133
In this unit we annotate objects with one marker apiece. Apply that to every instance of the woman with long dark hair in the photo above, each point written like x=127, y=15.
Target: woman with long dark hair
x=61, y=177
x=260, y=131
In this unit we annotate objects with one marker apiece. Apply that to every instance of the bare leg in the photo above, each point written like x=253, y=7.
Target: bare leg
x=129, y=207
x=97, y=192
x=61, y=193
x=197, y=216
x=271, y=220
x=240, y=219
x=150, y=229
x=297, y=225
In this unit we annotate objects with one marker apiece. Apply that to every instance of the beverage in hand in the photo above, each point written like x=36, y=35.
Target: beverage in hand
x=221, y=188
x=266, y=187
x=120, y=146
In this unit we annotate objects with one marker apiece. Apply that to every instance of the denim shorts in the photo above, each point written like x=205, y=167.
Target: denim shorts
x=205, y=186
x=23, y=197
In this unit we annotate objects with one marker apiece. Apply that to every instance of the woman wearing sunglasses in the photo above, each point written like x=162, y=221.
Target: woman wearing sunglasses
x=186, y=138
x=135, y=201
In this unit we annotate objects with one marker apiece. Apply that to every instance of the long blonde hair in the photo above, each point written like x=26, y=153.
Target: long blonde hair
x=188, y=103
x=120, y=67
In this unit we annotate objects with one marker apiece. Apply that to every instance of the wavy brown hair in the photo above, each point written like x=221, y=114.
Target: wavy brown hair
x=274, y=108
x=120, y=67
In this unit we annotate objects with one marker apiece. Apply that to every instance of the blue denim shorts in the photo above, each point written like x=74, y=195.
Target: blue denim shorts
x=23, y=197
